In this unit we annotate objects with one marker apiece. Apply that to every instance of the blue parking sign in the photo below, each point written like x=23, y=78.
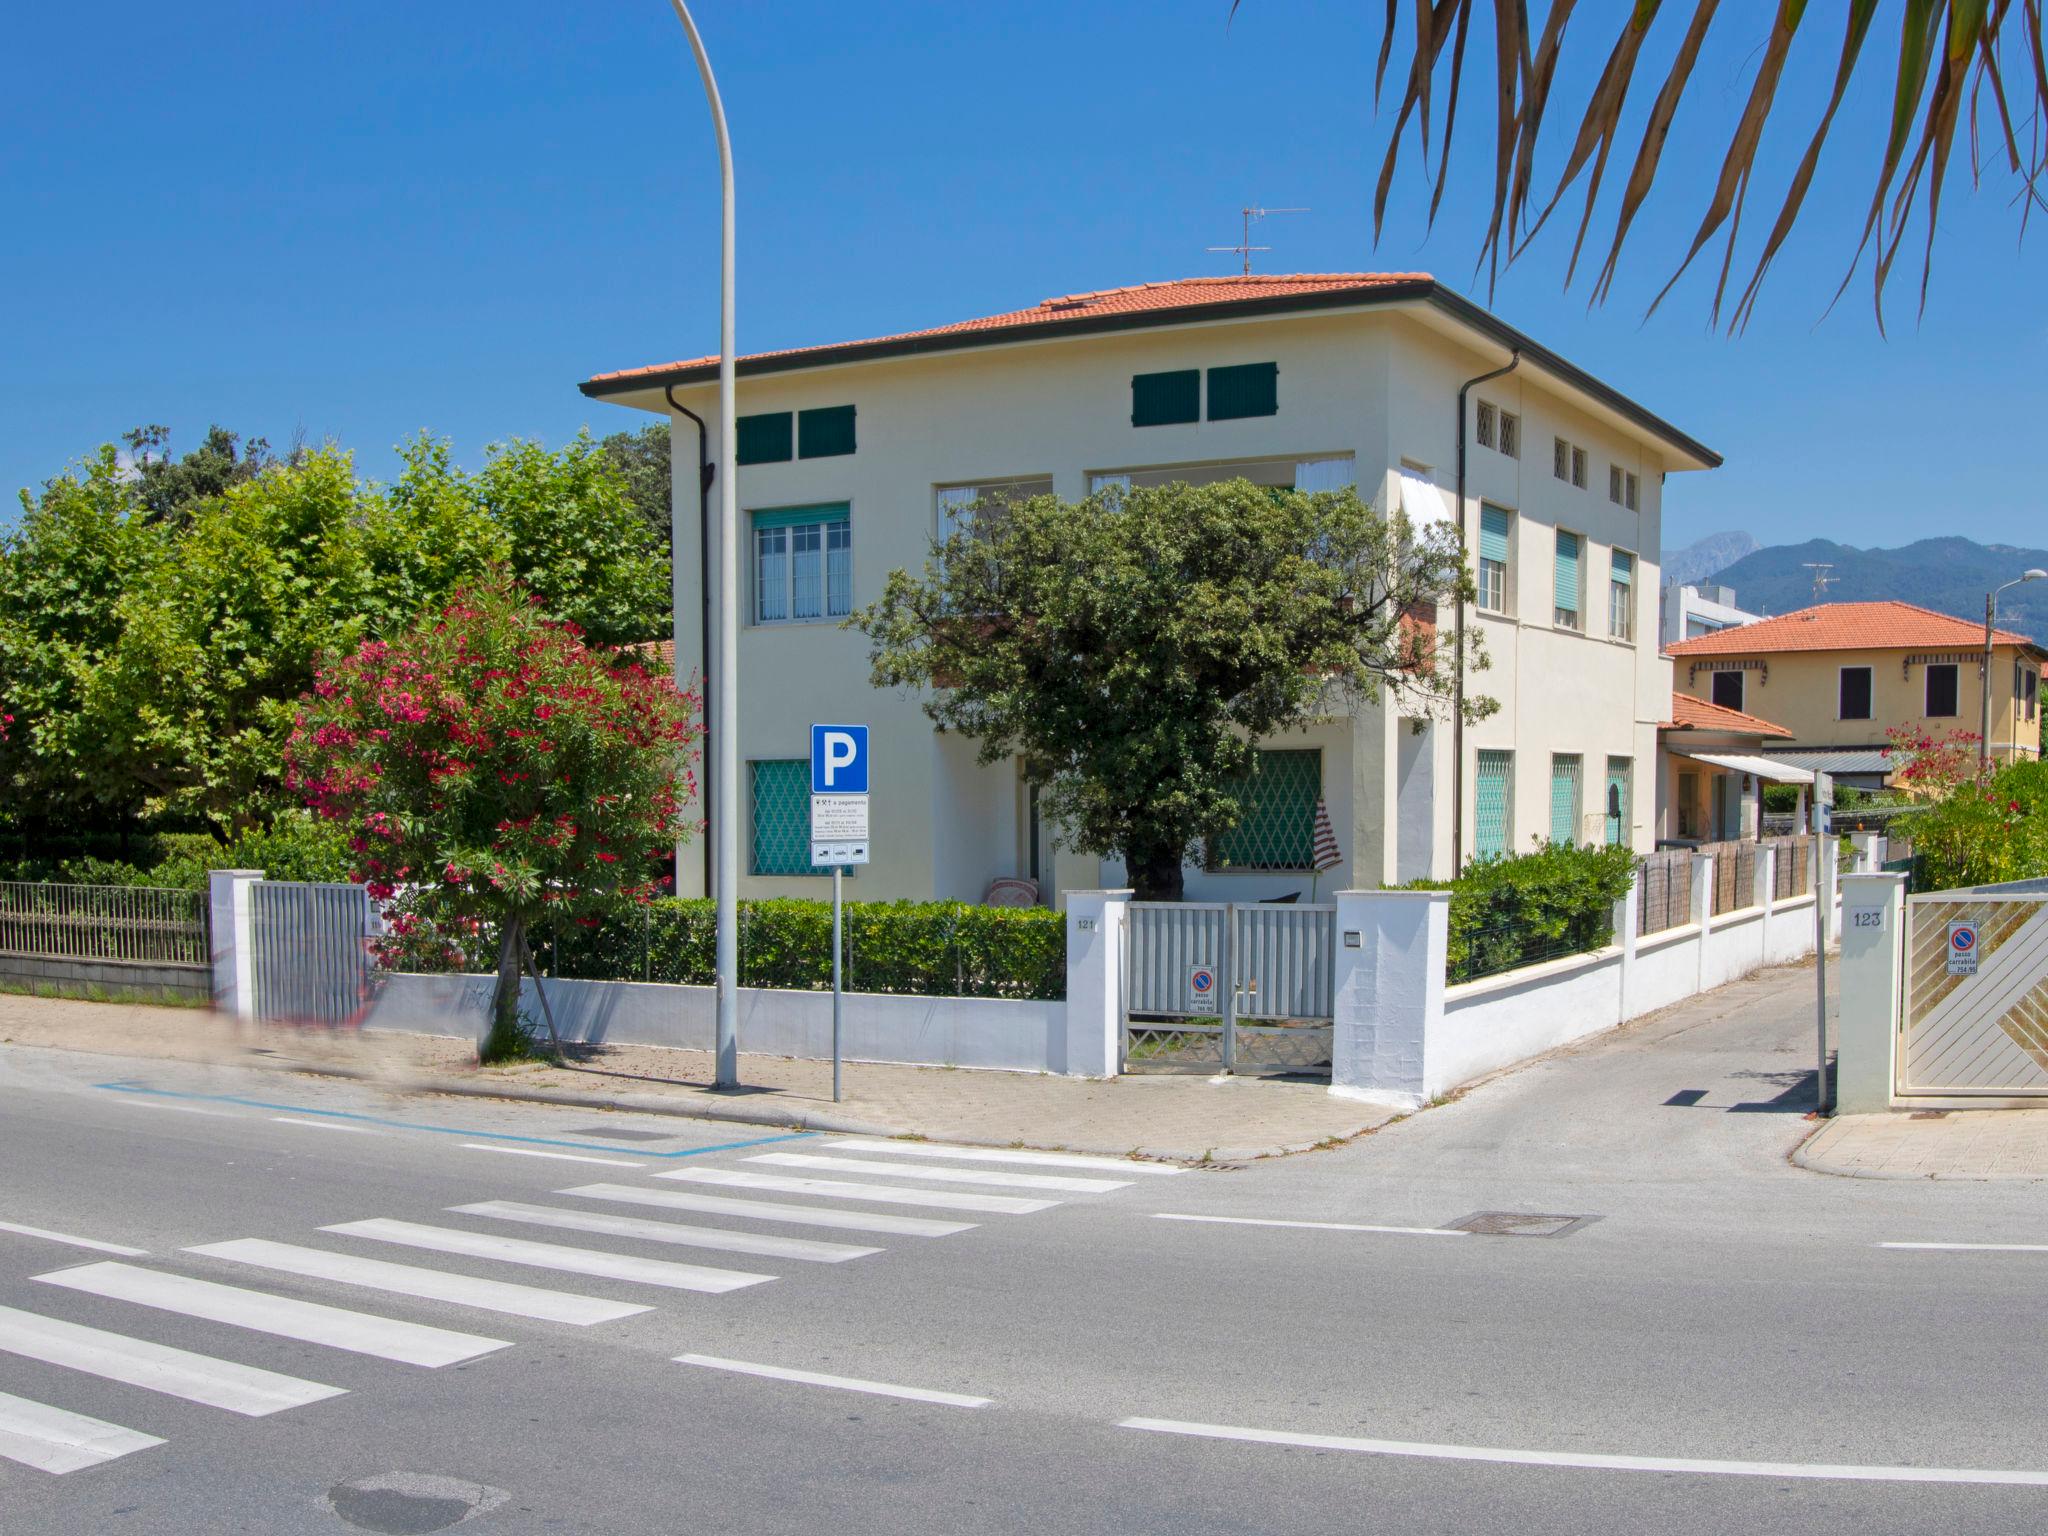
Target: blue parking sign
x=839, y=759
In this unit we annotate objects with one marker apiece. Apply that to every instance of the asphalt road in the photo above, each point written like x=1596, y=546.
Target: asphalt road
x=1717, y=1340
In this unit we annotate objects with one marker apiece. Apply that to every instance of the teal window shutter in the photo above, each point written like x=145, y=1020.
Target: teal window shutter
x=1493, y=534
x=1276, y=829
x=1567, y=583
x=789, y=517
x=1617, y=784
x=1166, y=399
x=1564, y=798
x=824, y=433
x=1624, y=568
x=1490, y=793
x=781, y=819
x=764, y=439
x=1248, y=389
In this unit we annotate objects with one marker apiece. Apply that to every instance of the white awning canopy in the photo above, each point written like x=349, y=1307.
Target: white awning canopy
x=1762, y=767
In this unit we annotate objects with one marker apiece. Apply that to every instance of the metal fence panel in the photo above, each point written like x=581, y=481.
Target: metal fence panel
x=312, y=953
x=1981, y=1029
x=1283, y=961
x=114, y=924
x=1273, y=964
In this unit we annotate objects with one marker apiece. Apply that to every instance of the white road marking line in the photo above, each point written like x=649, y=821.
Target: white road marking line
x=832, y=1189
x=668, y=1232
x=243, y=1389
x=1839, y=1472
x=560, y=1157
x=1317, y=1226
x=431, y=1284
x=769, y=1210
x=56, y=1440
x=1002, y=1155
x=980, y=1176
x=359, y=1332
x=77, y=1242
x=577, y=1261
x=843, y=1383
x=1972, y=1247
x=325, y=1125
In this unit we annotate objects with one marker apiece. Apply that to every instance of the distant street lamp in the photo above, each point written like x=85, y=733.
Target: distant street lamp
x=725, y=744
x=1990, y=621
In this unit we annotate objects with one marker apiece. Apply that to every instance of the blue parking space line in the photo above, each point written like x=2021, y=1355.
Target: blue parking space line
x=447, y=1130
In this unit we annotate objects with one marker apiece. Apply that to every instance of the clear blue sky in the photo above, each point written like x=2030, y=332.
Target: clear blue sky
x=357, y=221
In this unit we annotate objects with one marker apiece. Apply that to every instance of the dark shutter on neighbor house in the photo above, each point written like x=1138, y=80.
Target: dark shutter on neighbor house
x=1941, y=689
x=1249, y=389
x=1164, y=399
x=765, y=439
x=1855, y=693
x=1728, y=689
x=824, y=433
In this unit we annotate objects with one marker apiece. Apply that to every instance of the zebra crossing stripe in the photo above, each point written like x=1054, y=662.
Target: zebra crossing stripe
x=57, y=1440
x=923, y=1149
x=430, y=1284
x=769, y=1210
x=243, y=1389
x=1067, y=1183
x=580, y=1261
x=668, y=1232
x=360, y=1333
x=834, y=1189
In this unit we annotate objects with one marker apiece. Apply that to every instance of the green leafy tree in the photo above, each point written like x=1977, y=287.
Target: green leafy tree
x=504, y=770
x=169, y=488
x=1128, y=650
x=641, y=460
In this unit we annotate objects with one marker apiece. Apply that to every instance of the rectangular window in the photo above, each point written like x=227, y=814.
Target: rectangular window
x=765, y=439
x=2033, y=693
x=1689, y=803
x=1276, y=828
x=1560, y=458
x=1486, y=432
x=1728, y=689
x=824, y=433
x=1564, y=798
x=1493, y=559
x=1854, y=700
x=803, y=564
x=1248, y=389
x=1511, y=434
x=1614, y=483
x=1492, y=795
x=1579, y=468
x=1615, y=809
x=1631, y=494
x=1566, y=585
x=1941, y=690
x=957, y=503
x=780, y=817
x=1621, y=596
x=1166, y=399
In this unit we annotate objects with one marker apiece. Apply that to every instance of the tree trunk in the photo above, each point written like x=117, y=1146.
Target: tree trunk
x=1155, y=873
x=506, y=1040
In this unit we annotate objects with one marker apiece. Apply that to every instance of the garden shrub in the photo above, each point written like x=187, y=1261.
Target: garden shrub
x=1982, y=833
x=1510, y=910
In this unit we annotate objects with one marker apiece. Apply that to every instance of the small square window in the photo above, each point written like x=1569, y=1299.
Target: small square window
x=1166, y=399
x=1511, y=434
x=1560, y=458
x=1486, y=424
x=1614, y=483
x=1854, y=703
x=769, y=438
x=1579, y=468
x=1942, y=690
x=1631, y=493
x=824, y=433
x=1728, y=690
x=1248, y=389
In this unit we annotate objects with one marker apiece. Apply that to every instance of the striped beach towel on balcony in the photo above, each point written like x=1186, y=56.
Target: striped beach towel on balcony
x=1327, y=855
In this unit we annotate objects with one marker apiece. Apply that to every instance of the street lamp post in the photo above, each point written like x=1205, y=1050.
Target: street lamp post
x=725, y=831
x=1990, y=623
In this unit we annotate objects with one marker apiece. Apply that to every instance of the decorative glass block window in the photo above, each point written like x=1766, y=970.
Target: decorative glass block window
x=1277, y=826
x=1566, y=586
x=1493, y=559
x=1565, y=774
x=1614, y=483
x=1854, y=694
x=1487, y=429
x=803, y=564
x=824, y=433
x=1248, y=389
x=1511, y=434
x=1491, y=791
x=1579, y=468
x=1166, y=399
x=1941, y=690
x=1615, y=808
x=781, y=817
x=1631, y=493
x=1621, y=595
x=769, y=438
x=1728, y=690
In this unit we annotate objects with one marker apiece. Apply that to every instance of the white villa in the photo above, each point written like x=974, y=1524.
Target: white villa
x=853, y=454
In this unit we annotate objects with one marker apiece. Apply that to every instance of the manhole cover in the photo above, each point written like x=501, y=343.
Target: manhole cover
x=411, y=1503
x=1520, y=1224
x=620, y=1133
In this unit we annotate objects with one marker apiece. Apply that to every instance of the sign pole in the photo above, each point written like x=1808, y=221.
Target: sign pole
x=838, y=994
x=1825, y=858
x=839, y=837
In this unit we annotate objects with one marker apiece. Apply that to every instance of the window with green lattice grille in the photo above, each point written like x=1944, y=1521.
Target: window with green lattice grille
x=1490, y=793
x=1564, y=798
x=1277, y=827
x=781, y=795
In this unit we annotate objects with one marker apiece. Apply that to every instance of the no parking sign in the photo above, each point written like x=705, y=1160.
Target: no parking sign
x=1962, y=949
x=1202, y=989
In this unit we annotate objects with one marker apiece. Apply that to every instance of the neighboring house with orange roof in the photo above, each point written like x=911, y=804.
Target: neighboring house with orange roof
x=1838, y=676
x=1712, y=769
x=854, y=456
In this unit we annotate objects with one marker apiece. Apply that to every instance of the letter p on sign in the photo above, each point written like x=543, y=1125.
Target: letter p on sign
x=839, y=759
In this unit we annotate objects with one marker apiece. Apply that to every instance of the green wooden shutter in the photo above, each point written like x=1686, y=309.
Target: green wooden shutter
x=824, y=433
x=1490, y=791
x=1567, y=582
x=764, y=439
x=1617, y=780
x=1248, y=389
x=789, y=517
x=1493, y=534
x=1565, y=770
x=1277, y=827
x=1166, y=399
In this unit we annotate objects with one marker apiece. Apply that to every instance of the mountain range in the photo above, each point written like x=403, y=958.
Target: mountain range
x=1950, y=575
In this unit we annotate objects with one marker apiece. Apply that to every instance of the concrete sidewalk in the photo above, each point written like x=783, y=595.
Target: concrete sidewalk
x=1187, y=1119
x=1932, y=1144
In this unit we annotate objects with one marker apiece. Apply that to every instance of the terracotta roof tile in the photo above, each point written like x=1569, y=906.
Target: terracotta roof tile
x=1874, y=626
x=1691, y=714
x=1179, y=293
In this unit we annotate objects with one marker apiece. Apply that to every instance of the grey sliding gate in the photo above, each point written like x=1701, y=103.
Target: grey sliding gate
x=1228, y=986
x=312, y=951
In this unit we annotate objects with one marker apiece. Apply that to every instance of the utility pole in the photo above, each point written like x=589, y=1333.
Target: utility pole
x=1990, y=624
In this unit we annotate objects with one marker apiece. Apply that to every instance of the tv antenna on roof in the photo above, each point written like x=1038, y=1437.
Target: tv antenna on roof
x=1244, y=247
x=1821, y=579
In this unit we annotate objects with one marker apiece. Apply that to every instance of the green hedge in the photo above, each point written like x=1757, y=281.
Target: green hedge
x=295, y=847
x=1508, y=911
x=921, y=948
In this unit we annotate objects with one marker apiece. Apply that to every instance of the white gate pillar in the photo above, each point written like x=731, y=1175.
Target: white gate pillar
x=1388, y=996
x=233, y=949
x=1095, y=971
x=1873, y=981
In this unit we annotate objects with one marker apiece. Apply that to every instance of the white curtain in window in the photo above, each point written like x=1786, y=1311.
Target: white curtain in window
x=955, y=502
x=771, y=575
x=1104, y=482
x=807, y=570
x=1421, y=498
x=1325, y=474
